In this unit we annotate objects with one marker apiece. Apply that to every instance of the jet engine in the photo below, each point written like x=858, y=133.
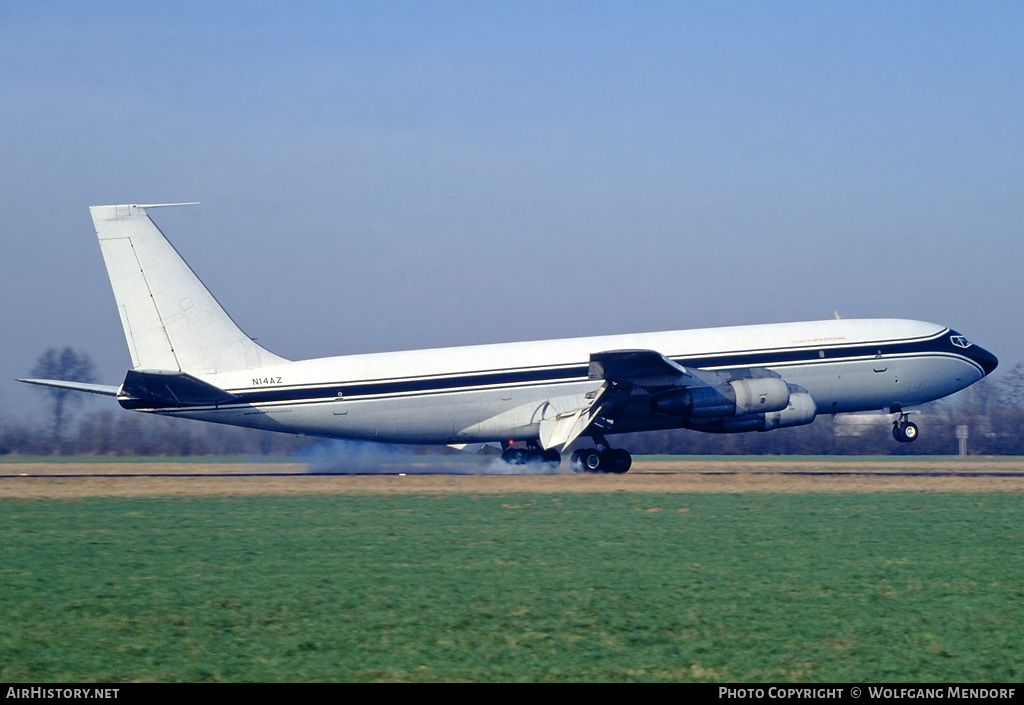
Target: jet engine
x=801, y=410
x=738, y=398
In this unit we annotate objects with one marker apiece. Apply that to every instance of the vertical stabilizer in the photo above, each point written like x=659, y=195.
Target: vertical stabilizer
x=171, y=321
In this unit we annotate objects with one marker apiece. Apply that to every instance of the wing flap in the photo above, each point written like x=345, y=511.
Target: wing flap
x=560, y=428
x=559, y=431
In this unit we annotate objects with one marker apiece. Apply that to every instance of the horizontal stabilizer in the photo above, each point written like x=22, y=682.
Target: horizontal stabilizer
x=165, y=388
x=104, y=389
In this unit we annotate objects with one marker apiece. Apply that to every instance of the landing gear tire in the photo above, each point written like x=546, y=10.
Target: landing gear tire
x=576, y=461
x=514, y=456
x=529, y=456
x=592, y=460
x=588, y=460
x=905, y=432
x=552, y=458
x=616, y=460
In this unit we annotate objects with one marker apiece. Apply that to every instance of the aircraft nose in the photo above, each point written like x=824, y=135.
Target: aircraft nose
x=984, y=358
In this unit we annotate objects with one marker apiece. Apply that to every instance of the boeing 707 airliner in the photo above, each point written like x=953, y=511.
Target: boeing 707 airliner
x=533, y=399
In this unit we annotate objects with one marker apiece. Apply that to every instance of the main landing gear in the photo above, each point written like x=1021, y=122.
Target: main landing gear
x=601, y=459
x=530, y=455
x=903, y=430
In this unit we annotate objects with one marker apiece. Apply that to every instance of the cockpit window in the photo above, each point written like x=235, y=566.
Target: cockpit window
x=960, y=341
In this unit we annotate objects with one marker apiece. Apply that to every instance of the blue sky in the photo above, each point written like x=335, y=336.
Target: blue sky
x=393, y=175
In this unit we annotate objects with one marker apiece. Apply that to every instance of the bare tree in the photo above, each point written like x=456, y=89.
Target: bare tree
x=1011, y=386
x=70, y=366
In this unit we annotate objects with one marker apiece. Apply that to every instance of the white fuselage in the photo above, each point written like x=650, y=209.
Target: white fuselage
x=497, y=392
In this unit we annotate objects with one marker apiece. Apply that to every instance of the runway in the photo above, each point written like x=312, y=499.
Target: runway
x=434, y=476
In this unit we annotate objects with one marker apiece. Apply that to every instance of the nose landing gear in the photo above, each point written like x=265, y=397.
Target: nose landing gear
x=903, y=430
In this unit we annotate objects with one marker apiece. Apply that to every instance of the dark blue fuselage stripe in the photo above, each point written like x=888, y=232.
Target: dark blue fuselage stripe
x=579, y=373
x=360, y=389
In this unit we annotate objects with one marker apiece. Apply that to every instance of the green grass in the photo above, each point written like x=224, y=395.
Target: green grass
x=754, y=587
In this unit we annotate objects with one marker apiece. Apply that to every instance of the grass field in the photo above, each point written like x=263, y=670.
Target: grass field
x=897, y=586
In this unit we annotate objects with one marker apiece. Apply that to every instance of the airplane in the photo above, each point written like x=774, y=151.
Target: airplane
x=190, y=360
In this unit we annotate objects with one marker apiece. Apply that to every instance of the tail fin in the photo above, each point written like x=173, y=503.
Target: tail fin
x=171, y=321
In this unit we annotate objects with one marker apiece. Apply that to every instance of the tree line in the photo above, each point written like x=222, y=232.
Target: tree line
x=992, y=412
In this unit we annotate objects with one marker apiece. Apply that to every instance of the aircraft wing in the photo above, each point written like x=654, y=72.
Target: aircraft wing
x=652, y=371
x=641, y=368
x=642, y=383
x=564, y=420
